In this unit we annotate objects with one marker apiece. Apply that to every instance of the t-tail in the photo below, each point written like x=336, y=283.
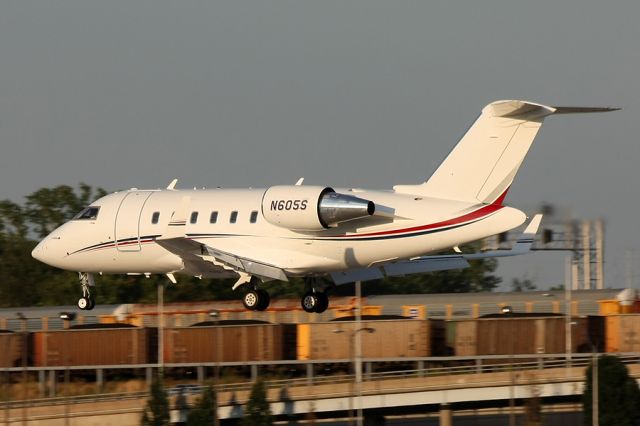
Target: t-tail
x=484, y=163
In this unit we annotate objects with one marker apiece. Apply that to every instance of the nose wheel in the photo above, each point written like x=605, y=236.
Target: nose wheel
x=86, y=302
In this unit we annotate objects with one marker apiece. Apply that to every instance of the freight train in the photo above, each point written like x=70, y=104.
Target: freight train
x=332, y=341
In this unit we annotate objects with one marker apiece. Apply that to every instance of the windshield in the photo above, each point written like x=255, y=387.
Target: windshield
x=88, y=213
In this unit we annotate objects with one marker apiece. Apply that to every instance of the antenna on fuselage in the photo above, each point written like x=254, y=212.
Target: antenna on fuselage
x=172, y=185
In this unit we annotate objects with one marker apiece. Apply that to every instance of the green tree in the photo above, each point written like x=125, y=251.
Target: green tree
x=13, y=219
x=156, y=412
x=618, y=394
x=257, y=411
x=204, y=412
x=524, y=284
x=48, y=208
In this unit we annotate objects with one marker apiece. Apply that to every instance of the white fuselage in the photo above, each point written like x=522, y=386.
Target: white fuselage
x=122, y=237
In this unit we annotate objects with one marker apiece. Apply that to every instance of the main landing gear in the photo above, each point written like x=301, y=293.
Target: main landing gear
x=255, y=299
x=315, y=299
x=317, y=302
x=86, y=302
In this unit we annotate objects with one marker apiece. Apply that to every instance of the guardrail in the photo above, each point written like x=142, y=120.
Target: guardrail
x=458, y=366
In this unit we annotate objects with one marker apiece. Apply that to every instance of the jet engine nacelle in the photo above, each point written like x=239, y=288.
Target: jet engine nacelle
x=312, y=208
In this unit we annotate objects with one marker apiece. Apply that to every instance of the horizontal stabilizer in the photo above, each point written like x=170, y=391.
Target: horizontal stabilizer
x=581, y=110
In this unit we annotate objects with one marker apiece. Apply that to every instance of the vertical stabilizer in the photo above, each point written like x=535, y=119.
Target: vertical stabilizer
x=484, y=163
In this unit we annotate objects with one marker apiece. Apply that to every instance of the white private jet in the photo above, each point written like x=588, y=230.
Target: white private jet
x=346, y=235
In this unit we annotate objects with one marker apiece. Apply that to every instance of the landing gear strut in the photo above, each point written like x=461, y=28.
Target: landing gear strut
x=255, y=299
x=86, y=302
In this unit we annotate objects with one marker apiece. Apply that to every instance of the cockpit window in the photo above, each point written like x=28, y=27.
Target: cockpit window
x=88, y=213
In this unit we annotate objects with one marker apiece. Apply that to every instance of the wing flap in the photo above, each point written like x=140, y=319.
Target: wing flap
x=250, y=266
x=198, y=257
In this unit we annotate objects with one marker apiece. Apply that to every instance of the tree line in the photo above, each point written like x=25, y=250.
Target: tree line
x=27, y=282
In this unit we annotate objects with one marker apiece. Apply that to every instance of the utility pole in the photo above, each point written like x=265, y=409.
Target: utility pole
x=599, y=236
x=595, y=421
x=569, y=270
x=586, y=254
x=358, y=351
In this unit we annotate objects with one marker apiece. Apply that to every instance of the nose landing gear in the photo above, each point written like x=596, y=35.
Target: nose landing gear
x=86, y=302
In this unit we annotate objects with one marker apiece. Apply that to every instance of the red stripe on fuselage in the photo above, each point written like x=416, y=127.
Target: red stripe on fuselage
x=482, y=212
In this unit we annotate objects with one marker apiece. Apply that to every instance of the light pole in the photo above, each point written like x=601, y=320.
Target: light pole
x=160, y=330
x=570, y=271
x=356, y=353
x=23, y=328
x=67, y=317
x=507, y=311
x=595, y=411
x=214, y=314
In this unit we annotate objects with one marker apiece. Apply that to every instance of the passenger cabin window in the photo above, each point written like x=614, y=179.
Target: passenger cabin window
x=88, y=213
x=254, y=217
x=234, y=217
x=214, y=217
x=155, y=217
x=194, y=217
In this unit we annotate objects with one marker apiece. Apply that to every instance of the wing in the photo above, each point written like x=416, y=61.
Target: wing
x=203, y=260
x=426, y=264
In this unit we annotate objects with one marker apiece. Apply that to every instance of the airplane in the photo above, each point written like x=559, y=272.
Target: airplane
x=326, y=236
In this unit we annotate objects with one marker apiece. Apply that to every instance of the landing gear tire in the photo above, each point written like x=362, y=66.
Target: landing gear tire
x=314, y=302
x=323, y=303
x=86, y=303
x=264, y=299
x=251, y=300
x=256, y=300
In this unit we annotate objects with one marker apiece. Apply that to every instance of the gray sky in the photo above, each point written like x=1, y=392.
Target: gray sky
x=363, y=93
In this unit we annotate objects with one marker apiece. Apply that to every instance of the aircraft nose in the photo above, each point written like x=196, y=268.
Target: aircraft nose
x=46, y=251
x=39, y=252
